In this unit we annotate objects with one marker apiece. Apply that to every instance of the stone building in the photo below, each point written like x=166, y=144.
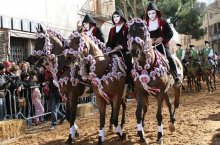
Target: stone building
x=18, y=21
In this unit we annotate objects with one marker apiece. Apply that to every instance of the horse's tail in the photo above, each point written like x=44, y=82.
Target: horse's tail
x=177, y=90
x=179, y=66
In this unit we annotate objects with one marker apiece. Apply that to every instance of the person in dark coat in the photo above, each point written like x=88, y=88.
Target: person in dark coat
x=4, y=83
x=161, y=33
x=54, y=96
x=89, y=26
x=117, y=40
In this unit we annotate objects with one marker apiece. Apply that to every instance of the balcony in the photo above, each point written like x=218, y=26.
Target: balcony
x=100, y=10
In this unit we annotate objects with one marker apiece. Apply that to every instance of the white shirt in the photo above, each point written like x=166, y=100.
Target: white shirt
x=118, y=27
x=153, y=25
x=211, y=53
x=89, y=32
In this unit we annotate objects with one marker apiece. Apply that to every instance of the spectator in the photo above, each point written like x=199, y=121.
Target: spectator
x=7, y=66
x=54, y=97
x=3, y=86
x=16, y=84
x=36, y=100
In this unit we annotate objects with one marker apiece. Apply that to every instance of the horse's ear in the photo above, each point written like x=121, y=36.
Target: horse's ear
x=37, y=29
x=41, y=29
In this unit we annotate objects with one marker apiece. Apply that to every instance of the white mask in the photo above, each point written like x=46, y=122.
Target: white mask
x=152, y=14
x=116, y=18
x=86, y=26
x=207, y=45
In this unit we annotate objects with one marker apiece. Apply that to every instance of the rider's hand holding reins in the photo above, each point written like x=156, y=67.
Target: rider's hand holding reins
x=158, y=40
x=119, y=47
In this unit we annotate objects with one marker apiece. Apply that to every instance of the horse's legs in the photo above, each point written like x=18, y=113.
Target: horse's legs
x=116, y=107
x=102, y=111
x=214, y=79
x=73, y=102
x=111, y=117
x=207, y=82
x=140, y=105
x=123, y=103
x=145, y=107
x=210, y=82
x=159, y=119
x=169, y=105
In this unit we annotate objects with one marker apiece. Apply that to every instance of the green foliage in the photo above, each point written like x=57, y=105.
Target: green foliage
x=186, y=15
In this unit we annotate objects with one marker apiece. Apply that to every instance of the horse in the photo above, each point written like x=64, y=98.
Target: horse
x=72, y=55
x=151, y=77
x=193, y=71
x=62, y=71
x=107, y=76
x=208, y=72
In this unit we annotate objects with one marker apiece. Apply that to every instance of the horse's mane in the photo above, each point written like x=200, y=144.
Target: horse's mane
x=92, y=44
x=56, y=40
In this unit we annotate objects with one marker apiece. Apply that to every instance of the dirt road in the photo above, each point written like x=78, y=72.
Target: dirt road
x=198, y=123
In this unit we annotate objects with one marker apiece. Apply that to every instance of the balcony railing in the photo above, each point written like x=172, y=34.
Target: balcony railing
x=99, y=9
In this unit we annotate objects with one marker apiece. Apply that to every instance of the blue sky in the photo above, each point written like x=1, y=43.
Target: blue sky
x=206, y=1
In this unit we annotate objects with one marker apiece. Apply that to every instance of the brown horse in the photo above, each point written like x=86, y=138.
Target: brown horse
x=208, y=72
x=151, y=77
x=73, y=55
x=193, y=71
x=107, y=76
x=73, y=88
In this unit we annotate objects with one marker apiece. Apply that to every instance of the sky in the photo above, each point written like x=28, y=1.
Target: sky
x=206, y=1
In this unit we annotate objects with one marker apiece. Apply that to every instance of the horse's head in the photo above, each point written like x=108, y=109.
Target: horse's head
x=138, y=37
x=75, y=45
x=48, y=42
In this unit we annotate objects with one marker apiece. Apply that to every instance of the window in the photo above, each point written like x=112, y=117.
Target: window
x=218, y=26
x=18, y=49
x=215, y=28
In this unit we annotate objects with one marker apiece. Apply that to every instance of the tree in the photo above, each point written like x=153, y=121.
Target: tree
x=186, y=15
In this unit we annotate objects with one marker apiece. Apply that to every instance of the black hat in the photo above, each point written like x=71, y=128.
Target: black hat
x=120, y=13
x=152, y=6
x=2, y=66
x=178, y=44
x=191, y=46
x=88, y=19
x=206, y=42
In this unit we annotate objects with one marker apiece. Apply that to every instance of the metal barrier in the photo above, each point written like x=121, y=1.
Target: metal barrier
x=26, y=112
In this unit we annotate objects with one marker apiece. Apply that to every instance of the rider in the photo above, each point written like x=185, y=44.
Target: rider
x=209, y=53
x=117, y=40
x=161, y=33
x=180, y=53
x=89, y=26
x=194, y=52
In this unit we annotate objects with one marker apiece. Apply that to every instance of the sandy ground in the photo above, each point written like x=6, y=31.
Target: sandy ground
x=198, y=123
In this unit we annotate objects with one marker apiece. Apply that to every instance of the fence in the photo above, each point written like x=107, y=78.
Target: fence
x=11, y=107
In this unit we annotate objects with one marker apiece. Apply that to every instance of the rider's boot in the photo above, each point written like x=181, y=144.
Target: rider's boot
x=173, y=70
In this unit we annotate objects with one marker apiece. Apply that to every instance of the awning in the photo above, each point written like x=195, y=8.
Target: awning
x=20, y=34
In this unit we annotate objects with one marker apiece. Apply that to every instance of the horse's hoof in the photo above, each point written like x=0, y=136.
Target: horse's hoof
x=160, y=141
x=77, y=134
x=69, y=140
x=172, y=127
x=143, y=141
x=111, y=127
x=99, y=140
x=122, y=137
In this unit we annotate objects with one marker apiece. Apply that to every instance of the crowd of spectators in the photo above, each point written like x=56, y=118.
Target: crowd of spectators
x=28, y=86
